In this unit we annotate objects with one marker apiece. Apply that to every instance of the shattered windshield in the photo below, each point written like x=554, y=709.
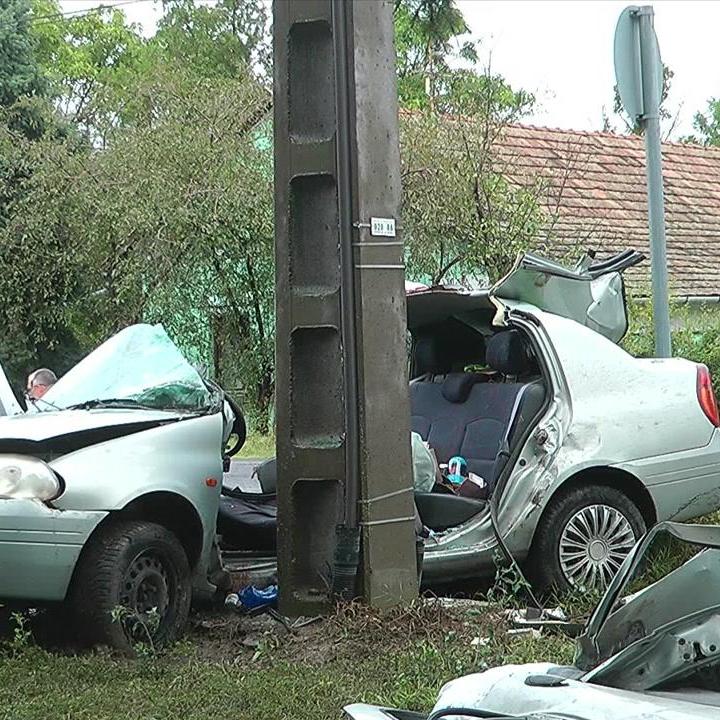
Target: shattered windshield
x=140, y=367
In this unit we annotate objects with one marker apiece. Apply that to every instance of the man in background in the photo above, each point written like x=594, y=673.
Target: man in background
x=39, y=382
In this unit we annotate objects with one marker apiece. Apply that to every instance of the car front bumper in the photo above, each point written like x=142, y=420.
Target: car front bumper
x=39, y=547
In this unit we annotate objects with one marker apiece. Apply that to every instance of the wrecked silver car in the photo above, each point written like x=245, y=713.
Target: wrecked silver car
x=581, y=446
x=651, y=649
x=109, y=490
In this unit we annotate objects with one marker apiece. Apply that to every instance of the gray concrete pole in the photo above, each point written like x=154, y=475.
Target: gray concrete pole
x=656, y=204
x=345, y=500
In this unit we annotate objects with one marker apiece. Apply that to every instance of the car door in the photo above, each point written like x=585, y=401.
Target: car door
x=591, y=293
x=8, y=403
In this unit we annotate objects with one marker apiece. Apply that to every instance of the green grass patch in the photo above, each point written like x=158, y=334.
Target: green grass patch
x=400, y=658
x=258, y=447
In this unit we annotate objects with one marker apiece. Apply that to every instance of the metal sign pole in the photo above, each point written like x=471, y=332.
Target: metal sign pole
x=653, y=169
x=639, y=74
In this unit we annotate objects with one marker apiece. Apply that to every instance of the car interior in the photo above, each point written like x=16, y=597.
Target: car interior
x=475, y=393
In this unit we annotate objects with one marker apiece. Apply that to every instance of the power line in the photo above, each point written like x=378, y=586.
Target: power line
x=84, y=11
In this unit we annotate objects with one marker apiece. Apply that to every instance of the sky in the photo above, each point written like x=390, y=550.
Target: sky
x=562, y=50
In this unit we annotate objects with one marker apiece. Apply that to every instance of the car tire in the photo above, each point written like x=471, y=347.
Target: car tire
x=127, y=568
x=556, y=553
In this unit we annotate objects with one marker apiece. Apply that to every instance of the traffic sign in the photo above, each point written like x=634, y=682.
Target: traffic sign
x=637, y=62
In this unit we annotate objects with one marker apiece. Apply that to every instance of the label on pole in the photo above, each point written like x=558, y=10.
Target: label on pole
x=632, y=72
x=382, y=227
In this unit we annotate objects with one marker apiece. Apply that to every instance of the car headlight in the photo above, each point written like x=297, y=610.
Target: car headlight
x=27, y=478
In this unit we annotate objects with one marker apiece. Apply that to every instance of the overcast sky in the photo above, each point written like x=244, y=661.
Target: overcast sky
x=563, y=51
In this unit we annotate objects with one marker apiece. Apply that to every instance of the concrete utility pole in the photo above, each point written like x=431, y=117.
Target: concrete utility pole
x=343, y=436
x=639, y=73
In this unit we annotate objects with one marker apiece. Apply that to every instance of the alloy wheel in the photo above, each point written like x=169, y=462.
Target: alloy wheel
x=593, y=545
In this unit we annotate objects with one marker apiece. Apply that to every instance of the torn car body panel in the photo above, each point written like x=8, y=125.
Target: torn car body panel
x=591, y=293
x=628, y=615
x=8, y=402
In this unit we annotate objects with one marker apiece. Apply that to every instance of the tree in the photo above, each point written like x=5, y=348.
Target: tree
x=464, y=218
x=170, y=222
x=465, y=214
x=91, y=62
x=707, y=125
x=38, y=272
x=424, y=31
x=438, y=70
x=20, y=76
x=221, y=40
x=633, y=125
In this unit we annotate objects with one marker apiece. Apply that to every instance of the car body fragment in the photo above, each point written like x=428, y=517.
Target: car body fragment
x=8, y=403
x=591, y=293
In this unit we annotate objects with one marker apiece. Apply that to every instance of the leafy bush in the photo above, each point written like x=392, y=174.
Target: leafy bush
x=695, y=334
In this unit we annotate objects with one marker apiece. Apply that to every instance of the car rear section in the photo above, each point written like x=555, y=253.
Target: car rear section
x=684, y=476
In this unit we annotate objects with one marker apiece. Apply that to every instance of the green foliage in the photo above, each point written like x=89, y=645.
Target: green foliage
x=707, y=125
x=305, y=676
x=156, y=204
x=696, y=334
x=171, y=222
x=633, y=125
x=34, y=278
x=464, y=220
x=438, y=71
x=90, y=62
x=510, y=587
x=218, y=40
x=21, y=634
x=258, y=447
x=19, y=72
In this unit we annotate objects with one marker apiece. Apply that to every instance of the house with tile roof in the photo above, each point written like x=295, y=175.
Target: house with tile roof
x=596, y=198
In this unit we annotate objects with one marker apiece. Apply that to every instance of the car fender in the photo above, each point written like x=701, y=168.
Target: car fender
x=183, y=457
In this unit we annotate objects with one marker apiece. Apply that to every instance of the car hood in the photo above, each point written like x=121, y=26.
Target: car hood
x=139, y=365
x=514, y=690
x=36, y=427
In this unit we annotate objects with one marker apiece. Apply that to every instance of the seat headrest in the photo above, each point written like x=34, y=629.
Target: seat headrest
x=431, y=356
x=456, y=386
x=508, y=353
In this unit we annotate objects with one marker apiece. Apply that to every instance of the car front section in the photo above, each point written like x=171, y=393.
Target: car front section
x=109, y=491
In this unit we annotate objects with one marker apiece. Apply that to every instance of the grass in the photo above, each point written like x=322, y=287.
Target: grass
x=398, y=658
x=258, y=447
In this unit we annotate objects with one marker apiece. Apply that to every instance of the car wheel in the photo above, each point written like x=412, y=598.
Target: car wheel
x=131, y=585
x=584, y=536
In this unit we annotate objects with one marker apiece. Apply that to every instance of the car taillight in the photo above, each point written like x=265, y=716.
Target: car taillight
x=706, y=395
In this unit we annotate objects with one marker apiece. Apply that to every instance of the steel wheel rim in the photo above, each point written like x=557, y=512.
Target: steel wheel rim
x=147, y=589
x=593, y=545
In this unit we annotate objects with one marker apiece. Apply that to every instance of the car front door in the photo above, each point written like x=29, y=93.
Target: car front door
x=591, y=293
